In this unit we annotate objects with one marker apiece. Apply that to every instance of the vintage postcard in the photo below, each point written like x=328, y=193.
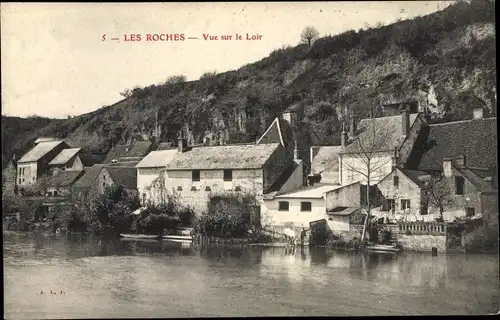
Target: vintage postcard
x=209, y=159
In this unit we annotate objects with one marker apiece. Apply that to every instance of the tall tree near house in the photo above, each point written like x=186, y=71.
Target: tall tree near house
x=368, y=162
x=439, y=194
x=308, y=35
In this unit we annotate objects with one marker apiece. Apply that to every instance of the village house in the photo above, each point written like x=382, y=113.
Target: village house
x=87, y=184
x=125, y=177
x=462, y=154
x=148, y=170
x=297, y=208
x=128, y=155
x=35, y=163
x=368, y=148
x=325, y=164
x=67, y=160
x=196, y=173
x=60, y=183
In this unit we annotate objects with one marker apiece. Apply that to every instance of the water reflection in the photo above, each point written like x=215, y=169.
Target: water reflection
x=119, y=278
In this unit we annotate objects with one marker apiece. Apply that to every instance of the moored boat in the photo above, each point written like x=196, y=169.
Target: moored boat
x=140, y=236
x=383, y=248
x=178, y=238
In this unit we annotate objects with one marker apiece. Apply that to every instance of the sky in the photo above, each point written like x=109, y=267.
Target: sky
x=56, y=64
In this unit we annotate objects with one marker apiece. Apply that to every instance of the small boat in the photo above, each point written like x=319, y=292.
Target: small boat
x=383, y=248
x=178, y=238
x=140, y=236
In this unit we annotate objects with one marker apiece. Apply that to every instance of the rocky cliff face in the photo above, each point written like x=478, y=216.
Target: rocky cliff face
x=444, y=63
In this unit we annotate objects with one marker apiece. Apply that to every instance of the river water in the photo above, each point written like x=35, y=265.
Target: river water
x=123, y=279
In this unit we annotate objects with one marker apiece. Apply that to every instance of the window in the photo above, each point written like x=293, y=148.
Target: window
x=228, y=175
x=195, y=175
x=396, y=181
x=305, y=206
x=405, y=204
x=470, y=212
x=459, y=185
x=283, y=206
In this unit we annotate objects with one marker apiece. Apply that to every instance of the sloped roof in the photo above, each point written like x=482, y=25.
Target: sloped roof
x=64, y=178
x=249, y=156
x=475, y=139
x=64, y=156
x=341, y=211
x=325, y=158
x=135, y=149
x=379, y=134
x=476, y=180
x=123, y=176
x=279, y=131
x=415, y=176
x=283, y=178
x=157, y=158
x=315, y=191
x=40, y=150
x=89, y=177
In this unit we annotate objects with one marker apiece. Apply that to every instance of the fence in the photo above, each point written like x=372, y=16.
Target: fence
x=422, y=228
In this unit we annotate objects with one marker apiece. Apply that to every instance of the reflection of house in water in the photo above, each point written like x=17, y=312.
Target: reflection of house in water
x=290, y=265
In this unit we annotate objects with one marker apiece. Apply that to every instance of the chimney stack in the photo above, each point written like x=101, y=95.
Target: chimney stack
x=405, y=122
x=395, y=158
x=478, y=113
x=460, y=161
x=290, y=117
x=181, y=143
x=447, y=168
x=352, y=125
x=343, y=136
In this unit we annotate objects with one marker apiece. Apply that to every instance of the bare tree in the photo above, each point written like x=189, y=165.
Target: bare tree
x=439, y=194
x=370, y=155
x=308, y=35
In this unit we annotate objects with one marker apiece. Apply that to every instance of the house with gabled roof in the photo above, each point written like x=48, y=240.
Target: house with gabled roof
x=35, y=163
x=463, y=154
x=148, y=170
x=368, y=148
x=125, y=177
x=197, y=172
x=129, y=154
x=325, y=164
x=67, y=160
x=60, y=182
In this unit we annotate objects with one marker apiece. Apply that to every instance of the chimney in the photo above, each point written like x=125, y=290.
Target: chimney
x=447, y=168
x=405, y=117
x=460, y=161
x=343, y=136
x=478, y=113
x=181, y=144
x=352, y=125
x=395, y=158
x=291, y=117
x=295, y=152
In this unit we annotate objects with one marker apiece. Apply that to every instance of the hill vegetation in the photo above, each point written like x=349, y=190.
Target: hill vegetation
x=446, y=61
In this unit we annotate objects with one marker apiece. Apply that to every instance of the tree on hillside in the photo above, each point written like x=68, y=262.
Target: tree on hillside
x=309, y=35
x=177, y=79
x=367, y=162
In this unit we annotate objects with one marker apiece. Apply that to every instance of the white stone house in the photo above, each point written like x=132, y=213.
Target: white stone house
x=67, y=160
x=297, y=208
x=34, y=164
x=372, y=145
x=148, y=170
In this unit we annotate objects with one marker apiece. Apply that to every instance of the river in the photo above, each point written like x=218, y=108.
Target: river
x=123, y=279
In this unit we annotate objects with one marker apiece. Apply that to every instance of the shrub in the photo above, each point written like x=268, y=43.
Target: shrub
x=227, y=216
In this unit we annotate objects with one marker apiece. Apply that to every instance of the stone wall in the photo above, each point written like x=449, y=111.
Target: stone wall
x=422, y=242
